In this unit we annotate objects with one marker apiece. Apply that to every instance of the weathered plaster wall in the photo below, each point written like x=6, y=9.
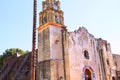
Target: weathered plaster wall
x=56, y=53
x=79, y=41
x=50, y=50
x=56, y=43
x=109, y=68
x=117, y=63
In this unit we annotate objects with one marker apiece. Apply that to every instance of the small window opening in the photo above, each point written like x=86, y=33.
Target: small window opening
x=108, y=62
x=86, y=54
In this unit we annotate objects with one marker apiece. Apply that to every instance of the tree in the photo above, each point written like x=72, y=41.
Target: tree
x=12, y=51
x=9, y=52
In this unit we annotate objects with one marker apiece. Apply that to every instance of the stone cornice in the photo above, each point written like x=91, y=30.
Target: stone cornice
x=46, y=25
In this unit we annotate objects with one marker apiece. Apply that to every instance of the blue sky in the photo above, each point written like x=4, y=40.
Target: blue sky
x=100, y=17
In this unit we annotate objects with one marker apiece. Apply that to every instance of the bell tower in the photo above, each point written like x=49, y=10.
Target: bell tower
x=51, y=32
x=51, y=12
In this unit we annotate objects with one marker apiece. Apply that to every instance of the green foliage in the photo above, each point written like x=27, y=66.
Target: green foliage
x=9, y=52
x=1, y=60
x=12, y=51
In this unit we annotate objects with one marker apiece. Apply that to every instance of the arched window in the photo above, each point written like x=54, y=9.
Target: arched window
x=88, y=75
x=61, y=78
x=113, y=78
x=44, y=20
x=86, y=54
x=57, y=19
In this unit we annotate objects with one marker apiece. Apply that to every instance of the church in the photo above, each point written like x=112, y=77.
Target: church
x=63, y=55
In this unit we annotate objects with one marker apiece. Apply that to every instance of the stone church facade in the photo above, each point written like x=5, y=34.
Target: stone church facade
x=64, y=55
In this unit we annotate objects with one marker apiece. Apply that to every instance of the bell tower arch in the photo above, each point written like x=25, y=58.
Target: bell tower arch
x=51, y=12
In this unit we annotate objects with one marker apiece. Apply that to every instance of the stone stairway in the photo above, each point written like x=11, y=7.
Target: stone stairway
x=3, y=68
x=20, y=67
x=7, y=70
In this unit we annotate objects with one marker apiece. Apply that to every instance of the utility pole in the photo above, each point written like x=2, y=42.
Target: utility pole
x=33, y=54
